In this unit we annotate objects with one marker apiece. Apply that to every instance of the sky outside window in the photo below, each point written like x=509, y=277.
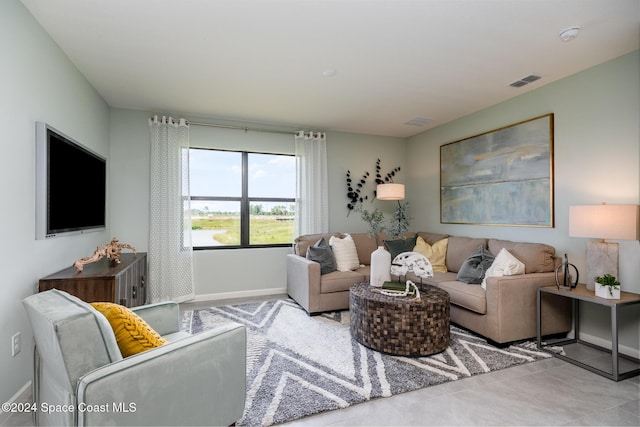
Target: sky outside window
x=272, y=176
x=219, y=174
x=215, y=173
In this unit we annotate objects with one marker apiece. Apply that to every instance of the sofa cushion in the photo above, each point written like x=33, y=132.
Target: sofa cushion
x=475, y=266
x=340, y=281
x=435, y=253
x=505, y=264
x=537, y=257
x=301, y=243
x=345, y=252
x=459, y=248
x=472, y=298
x=365, y=245
x=432, y=238
x=322, y=253
x=132, y=333
x=439, y=278
x=397, y=246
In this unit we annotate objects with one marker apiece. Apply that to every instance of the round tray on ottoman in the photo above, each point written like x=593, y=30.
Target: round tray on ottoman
x=404, y=326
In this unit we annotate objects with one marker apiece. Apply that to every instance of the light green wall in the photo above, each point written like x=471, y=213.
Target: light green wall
x=596, y=153
x=37, y=83
x=358, y=153
x=235, y=272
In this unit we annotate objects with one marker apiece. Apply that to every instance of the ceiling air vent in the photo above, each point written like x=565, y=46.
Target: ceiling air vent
x=525, y=80
x=418, y=121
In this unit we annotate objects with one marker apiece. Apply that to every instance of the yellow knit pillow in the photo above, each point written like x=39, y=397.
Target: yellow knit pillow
x=132, y=333
x=435, y=253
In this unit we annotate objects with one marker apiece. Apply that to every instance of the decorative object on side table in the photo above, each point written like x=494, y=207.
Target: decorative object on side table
x=617, y=222
x=566, y=275
x=110, y=251
x=607, y=286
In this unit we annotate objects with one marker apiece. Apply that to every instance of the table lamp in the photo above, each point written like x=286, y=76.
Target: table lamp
x=617, y=222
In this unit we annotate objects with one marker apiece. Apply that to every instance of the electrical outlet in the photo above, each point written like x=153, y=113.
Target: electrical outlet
x=15, y=344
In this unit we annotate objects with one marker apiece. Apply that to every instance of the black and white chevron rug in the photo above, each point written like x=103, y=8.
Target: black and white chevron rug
x=299, y=365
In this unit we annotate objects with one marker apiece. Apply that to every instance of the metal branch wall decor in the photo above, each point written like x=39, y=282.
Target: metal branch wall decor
x=355, y=189
x=375, y=218
x=388, y=177
x=501, y=177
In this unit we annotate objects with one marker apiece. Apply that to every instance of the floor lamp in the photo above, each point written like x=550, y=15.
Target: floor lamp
x=393, y=191
x=616, y=222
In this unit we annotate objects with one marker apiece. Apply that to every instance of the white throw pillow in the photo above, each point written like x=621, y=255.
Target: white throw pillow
x=345, y=252
x=505, y=264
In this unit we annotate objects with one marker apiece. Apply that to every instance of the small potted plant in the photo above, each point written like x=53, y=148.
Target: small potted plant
x=607, y=286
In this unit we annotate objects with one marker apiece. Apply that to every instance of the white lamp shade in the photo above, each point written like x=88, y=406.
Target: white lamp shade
x=616, y=222
x=390, y=191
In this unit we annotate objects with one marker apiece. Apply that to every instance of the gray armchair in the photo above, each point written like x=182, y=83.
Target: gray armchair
x=80, y=377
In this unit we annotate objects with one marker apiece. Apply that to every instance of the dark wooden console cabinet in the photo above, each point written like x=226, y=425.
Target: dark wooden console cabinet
x=123, y=283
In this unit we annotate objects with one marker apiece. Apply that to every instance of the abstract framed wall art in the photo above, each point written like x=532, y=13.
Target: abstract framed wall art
x=501, y=177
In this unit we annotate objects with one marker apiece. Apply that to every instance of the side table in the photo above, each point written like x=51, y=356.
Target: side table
x=581, y=293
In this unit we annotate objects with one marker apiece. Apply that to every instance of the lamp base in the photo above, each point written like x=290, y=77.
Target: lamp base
x=602, y=258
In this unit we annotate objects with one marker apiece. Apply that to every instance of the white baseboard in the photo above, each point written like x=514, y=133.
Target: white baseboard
x=22, y=396
x=623, y=349
x=239, y=294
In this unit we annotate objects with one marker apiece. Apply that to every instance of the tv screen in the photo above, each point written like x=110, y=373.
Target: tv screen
x=71, y=185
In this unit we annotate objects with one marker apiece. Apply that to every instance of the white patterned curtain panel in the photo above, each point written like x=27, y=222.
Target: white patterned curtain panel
x=312, y=197
x=170, y=250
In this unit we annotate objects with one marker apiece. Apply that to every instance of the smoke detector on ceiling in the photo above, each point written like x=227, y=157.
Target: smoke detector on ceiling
x=569, y=34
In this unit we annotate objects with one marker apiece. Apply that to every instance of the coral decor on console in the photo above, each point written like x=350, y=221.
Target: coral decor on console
x=110, y=251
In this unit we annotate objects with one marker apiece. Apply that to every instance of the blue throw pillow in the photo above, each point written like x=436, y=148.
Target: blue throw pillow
x=322, y=253
x=475, y=266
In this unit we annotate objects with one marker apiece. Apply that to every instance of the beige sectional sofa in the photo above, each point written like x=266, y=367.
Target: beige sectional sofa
x=504, y=312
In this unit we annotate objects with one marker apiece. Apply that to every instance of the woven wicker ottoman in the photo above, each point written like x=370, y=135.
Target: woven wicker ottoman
x=402, y=326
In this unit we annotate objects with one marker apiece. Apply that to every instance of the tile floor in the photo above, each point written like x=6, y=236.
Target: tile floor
x=547, y=392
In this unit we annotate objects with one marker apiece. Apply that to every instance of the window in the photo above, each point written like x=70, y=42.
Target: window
x=241, y=199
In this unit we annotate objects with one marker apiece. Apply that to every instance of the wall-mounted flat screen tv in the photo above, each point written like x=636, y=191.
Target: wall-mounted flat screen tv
x=70, y=185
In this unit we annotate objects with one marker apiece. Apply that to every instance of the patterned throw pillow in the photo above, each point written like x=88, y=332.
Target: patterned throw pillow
x=133, y=334
x=475, y=266
x=436, y=253
x=345, y=252
x=321, y=253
